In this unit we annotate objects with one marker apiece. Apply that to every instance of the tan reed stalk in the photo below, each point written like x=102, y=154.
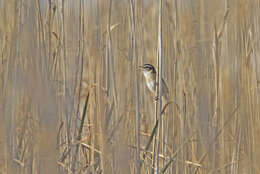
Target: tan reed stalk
x=137, y=101
x=159, y=88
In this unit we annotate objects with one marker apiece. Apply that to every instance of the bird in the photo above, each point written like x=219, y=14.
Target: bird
x=149, y=73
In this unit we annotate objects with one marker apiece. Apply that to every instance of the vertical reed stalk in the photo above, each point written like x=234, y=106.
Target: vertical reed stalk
x=217, y=53
x=159, y=91
x=137, y=101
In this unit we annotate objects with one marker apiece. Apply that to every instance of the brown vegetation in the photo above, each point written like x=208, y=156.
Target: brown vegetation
x=73, y=101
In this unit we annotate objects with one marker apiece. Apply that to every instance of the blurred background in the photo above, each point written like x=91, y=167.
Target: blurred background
x=73, y=101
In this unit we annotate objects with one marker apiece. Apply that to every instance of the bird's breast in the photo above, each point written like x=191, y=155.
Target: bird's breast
x=150, y=81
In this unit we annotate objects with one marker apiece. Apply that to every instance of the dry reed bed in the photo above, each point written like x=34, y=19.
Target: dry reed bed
x=73, y=101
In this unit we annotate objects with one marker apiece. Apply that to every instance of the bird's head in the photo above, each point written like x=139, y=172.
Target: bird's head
x=148, y=68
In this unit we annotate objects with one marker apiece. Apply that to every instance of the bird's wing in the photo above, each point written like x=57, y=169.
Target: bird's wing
x=165, y=86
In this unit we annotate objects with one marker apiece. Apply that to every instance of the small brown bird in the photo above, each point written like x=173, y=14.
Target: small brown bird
x=149, y=73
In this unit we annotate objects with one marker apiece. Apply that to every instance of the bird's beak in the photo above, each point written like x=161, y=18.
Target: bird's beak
x=141, y=67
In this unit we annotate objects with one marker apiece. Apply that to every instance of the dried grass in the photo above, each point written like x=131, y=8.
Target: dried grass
x=56, y=55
